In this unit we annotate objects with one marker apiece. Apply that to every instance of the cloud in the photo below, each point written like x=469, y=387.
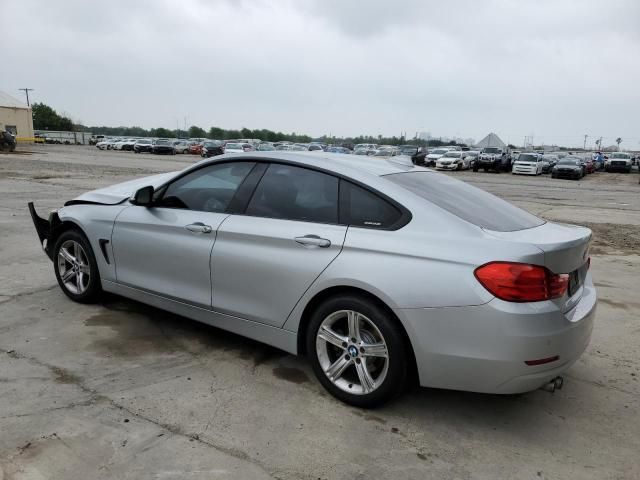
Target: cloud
x=555, y=69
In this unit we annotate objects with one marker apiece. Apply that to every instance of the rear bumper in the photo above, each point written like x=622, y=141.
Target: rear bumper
x=484, y=348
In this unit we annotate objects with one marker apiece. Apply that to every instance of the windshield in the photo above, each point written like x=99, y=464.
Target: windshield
x=568, y=161
x=266, y=148
x=527, y=157
x=235, y=146
x=162, y=142
x=439, y=151
x=145, y=142
x=626, y=156
x=491, y=150
x=452, y=155
x=466, y=201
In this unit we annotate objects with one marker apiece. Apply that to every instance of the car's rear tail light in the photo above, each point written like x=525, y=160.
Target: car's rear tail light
x=542, y=361
x=521, y=282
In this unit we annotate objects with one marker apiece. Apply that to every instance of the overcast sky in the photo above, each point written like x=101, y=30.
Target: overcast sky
x=554, y=69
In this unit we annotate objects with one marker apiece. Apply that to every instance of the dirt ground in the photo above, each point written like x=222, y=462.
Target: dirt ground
x=120, y=390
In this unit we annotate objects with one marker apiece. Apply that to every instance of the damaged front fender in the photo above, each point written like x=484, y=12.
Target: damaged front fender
x=45, y=229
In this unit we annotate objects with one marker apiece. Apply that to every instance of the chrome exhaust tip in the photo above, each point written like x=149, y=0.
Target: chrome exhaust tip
x=553, y=385
x=558, y=381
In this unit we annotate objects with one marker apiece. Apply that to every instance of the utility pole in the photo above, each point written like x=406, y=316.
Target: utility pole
x=584, y=145
x=26, y=91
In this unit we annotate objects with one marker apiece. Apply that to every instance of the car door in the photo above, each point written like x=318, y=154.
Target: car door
x=166, y=248
x=266, y=258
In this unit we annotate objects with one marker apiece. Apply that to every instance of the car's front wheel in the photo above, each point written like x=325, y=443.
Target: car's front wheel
x=357, y=351
x=76, y=268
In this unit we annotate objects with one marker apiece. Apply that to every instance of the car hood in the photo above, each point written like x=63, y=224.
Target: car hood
x=119, y=192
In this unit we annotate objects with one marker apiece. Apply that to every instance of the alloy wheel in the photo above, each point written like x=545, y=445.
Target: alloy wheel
x=73, y=267
x=352, y=352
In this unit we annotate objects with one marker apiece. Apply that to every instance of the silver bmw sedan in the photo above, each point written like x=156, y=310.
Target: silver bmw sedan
x=372, y=268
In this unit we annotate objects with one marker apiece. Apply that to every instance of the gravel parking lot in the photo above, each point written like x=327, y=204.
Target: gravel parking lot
x=121, y=390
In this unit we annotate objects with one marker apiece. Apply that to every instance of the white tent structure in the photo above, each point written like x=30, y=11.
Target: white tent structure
x=16, y=118
x=491, y=140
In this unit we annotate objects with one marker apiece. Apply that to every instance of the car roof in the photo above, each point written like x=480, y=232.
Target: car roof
x=345, y=164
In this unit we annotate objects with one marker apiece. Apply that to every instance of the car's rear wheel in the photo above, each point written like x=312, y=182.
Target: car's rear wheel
x=357, y=351
x=76, y=268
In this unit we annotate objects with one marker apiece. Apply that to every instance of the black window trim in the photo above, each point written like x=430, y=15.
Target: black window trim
x=244, y=193
x=159, y=193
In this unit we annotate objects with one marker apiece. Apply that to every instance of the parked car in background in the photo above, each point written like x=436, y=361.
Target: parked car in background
x=95, y=139
x=453, y=160
x=618, y=162
x=471, y=156
x=181, y=146
x=124, y=144
x=568, y=167
x=299, y=148
x=211, y=148
x=266, y=147
x=314, y=147
x=548, y=162
x=143, y=145
x=371, y=271
x=386, y=151
x=104, y=144
x=162, y=147
x=238, y=147
x=196, y=148
x=417, y=154
x=434, y=155
x=493, y=158
x=588, y=163
x=366, y=148
x=527, y=164
x=7, y=141
x=338, y=150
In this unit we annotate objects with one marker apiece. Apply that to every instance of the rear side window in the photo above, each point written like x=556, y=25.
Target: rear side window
x=362, y=208
x=296, y=193
x=466, y=201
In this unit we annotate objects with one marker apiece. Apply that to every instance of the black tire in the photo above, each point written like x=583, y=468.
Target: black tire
x=475, y=169
x=486, y=169
x=395, y=379
x=93, y=289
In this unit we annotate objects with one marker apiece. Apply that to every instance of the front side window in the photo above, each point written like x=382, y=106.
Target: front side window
x=209, y=189
x=295, y=193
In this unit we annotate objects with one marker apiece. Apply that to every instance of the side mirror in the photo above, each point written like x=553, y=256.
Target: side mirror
x=143, y=197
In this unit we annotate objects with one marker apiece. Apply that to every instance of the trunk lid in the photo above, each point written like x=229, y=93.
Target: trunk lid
x=565, y=247
x=566, y=250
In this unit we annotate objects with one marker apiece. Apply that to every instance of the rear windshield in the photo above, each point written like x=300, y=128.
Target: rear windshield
x=466, y=201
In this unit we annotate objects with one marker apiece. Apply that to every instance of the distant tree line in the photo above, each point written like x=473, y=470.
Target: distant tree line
x=46, y=118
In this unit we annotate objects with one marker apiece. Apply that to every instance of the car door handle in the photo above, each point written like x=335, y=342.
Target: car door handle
x=314, y=241
x=199, y=227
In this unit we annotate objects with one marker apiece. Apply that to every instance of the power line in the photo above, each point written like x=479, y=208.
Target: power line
x=26, y=91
